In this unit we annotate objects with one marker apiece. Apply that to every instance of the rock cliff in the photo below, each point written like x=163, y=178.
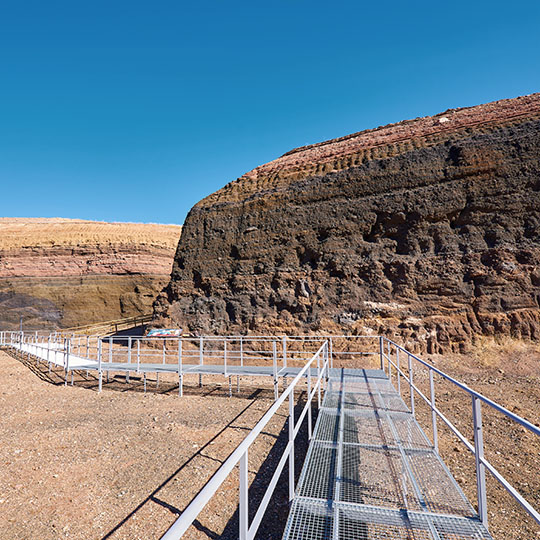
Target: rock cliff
x=428, y=229
x=59, y=273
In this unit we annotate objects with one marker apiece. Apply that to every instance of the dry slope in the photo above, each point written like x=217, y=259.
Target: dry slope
x=60, y=273
x=429, y=228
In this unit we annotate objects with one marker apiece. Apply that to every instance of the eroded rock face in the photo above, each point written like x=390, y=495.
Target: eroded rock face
x=428, y=229
x=59, y=273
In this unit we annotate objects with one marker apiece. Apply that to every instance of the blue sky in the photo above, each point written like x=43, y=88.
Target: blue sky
x=134, y=111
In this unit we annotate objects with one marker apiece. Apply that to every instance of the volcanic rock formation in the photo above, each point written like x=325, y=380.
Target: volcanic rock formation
x=428, y=229
x=59, y=273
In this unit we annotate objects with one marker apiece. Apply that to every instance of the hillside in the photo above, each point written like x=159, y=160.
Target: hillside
x=58, y=273
x=428, y=229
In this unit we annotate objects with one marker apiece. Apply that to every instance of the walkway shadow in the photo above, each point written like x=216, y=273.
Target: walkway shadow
x=41, y=369
x=275, y=518
x=153, y=496
x=274, y=521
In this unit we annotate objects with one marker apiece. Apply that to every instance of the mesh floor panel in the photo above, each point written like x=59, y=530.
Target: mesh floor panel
x=311, y=520
x=319, y=472
x=375, y=476
x=359, y=524
x=369, y=428
x=371, y=472
x=327, y=427
x=438, y=487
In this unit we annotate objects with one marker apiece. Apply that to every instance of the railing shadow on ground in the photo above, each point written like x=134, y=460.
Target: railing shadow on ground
x=278, y=509
x=40, y=369
x=275, y=518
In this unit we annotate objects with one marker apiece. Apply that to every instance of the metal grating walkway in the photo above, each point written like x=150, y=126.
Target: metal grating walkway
x=371, y=473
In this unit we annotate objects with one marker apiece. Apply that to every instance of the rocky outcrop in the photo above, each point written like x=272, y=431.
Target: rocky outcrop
x=59, y=273
x=429, y=229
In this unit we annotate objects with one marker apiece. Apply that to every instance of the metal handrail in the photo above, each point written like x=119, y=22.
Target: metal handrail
x=386, y=346
x=477, y=449
x=240, y=456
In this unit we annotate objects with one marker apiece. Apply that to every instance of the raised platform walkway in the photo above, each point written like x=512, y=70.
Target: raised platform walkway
x=372, y=473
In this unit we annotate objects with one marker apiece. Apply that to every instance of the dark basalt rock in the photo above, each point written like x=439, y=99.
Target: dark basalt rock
x=435, y=237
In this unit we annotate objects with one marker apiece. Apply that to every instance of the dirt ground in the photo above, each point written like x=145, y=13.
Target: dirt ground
x=123, y=464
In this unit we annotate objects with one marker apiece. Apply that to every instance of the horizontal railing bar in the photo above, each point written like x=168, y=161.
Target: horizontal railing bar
x=513, y=491
x=487, y=401
x=200, y=501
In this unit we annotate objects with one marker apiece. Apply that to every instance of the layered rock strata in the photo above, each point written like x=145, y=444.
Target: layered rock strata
x=428, y=229
x=58, y=273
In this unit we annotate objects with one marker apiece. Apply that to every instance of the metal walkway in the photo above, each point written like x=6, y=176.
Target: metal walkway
x=57, y=357
x=371, y=472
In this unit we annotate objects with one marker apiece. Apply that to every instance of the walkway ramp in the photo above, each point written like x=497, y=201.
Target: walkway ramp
x=54, y=353
x=372, y=473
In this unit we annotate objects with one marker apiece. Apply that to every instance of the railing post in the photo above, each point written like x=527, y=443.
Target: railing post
x=411, y=382
x=291, y=443
x=326, y=362
x=138, y=356
x=244, y=499
x=381, y=352
x=433, y=413
x=129, y=357
x=110, y=354
x=180, y=373
x=49, y=350
x=284, y=346
x=320, y=381
x=274, y=357
x=100, y=373
x=201, y=359
x=398, y=372
x=479, y=456
x=388, y=354
x=241, y=351
x=66, y=360
x=310, y=421
x=225, y=358
x=331, y=354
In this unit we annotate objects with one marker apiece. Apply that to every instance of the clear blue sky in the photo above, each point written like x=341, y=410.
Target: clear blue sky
x=133, y=111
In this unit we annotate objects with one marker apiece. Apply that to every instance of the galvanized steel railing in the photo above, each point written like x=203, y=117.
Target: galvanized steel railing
x=394, y=359
x=386, y=347
x=239, y=457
